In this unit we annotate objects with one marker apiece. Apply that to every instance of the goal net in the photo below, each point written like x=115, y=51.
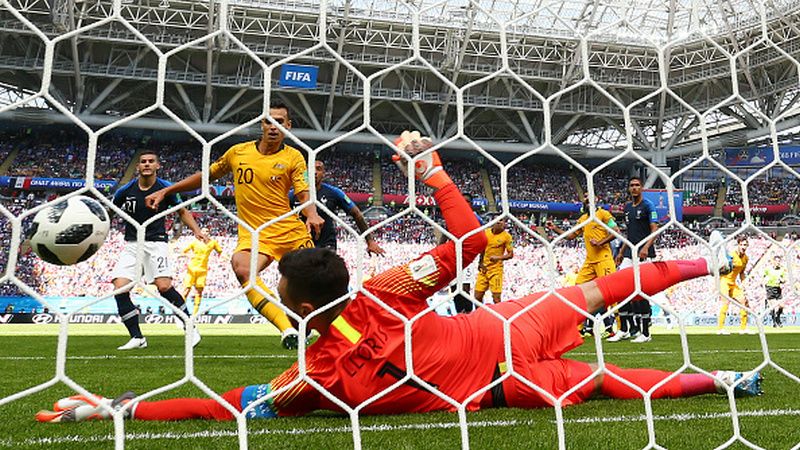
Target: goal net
x=533, y=107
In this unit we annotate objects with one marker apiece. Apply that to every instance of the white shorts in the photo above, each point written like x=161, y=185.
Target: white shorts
x=156, y=261
x=658, y=297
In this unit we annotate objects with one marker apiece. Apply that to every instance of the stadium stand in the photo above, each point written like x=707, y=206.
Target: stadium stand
x=349, y=171
x=706, y=197
x=537, y=183
x=63, y=155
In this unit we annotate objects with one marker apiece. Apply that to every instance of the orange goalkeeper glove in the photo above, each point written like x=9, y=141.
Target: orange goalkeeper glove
x=428, y=168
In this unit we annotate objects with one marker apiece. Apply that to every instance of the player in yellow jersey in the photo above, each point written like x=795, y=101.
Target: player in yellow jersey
x=263, y=173
x=197, y=269
x=570, y=277
x=599, y=258
x=730, y=289
x=490, y=267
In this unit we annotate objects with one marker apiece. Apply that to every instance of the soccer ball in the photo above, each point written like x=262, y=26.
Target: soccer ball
x=69, y=232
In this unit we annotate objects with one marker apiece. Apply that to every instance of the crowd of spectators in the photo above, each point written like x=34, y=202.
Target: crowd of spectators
x=179, y=159
x=63, y=155
x=9, y=141
x=404, y=237
x=465, y=172
x=394, y=182
x=772, y=191
x=536, y=183
x=349, y=171
x=706, y=197
x=26, y=260
x=610, y=186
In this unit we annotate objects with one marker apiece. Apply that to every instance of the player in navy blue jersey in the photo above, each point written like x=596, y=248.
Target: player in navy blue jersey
x=334, y=198
x=641, y=222
x=157, y=264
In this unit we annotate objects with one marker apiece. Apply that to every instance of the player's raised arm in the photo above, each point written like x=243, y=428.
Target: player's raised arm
x=352, y=209
x=313, y=220
x=218, y=169
x=608, y=219
x=189, y=183
x=299, y=174
x=550, y=225
x=437, y=268
x=361, y=223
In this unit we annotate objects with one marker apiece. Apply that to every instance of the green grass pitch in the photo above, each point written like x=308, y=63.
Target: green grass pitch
x=232, y=356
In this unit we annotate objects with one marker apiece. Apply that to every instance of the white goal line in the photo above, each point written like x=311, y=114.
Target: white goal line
x=80, y=439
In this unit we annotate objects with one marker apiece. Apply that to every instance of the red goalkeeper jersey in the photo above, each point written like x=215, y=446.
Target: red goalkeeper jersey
x=363, y=352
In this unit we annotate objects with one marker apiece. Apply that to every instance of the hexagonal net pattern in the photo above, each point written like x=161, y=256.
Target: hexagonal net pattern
x=640, y=107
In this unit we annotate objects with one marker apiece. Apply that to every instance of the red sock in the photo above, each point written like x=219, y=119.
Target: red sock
x=655, y=277
x=189, y=408
x=684, y=385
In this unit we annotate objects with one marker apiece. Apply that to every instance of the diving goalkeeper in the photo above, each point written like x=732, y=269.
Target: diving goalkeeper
x=361, y=350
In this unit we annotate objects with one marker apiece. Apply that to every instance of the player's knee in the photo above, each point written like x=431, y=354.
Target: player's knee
x=242, y=272
x=163, y=285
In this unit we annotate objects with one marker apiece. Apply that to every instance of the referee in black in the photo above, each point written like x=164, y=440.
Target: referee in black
x=774, y=277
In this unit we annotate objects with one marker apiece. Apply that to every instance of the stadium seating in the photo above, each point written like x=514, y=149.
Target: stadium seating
x=64, y=156
x=536, y=183
x=707, y=197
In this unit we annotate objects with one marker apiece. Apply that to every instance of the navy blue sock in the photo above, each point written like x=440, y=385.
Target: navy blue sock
x=129, y=314
x=176, y=299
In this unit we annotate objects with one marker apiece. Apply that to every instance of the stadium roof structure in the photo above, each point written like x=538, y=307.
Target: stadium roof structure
x=593, y=70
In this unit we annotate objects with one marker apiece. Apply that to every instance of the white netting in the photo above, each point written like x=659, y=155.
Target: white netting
x=613, y=82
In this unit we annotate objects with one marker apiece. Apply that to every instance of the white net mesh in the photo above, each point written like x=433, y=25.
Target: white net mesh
x=593, y=87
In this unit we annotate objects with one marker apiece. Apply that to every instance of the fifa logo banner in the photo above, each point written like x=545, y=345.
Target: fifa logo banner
x=295, y=75
x=660, y=199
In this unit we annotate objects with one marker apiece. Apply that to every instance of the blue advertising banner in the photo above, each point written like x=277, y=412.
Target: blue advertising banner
x=544, y=206
x=759, y=156
x=28, y=183
x=295, y=75
x=659, y=198
x=529, y=205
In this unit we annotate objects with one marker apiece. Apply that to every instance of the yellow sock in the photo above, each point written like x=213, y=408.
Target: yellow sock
x=743, y=317
x=267, y=309
x=723, y=313
x=197, y=300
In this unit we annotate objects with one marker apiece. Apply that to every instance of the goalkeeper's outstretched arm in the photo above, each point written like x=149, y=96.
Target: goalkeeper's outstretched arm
x=437, y=268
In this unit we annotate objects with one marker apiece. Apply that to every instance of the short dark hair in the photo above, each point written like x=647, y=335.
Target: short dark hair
x=741, y=238
x=150, y=152
x=317, y=275
x=279, y=105
x=635, y=177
